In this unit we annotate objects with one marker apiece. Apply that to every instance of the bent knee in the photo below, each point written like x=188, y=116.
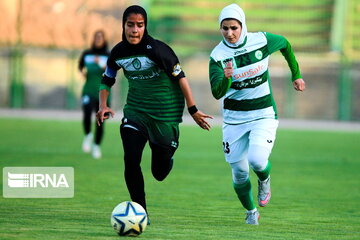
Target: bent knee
x=258, y=157
x=160, y=176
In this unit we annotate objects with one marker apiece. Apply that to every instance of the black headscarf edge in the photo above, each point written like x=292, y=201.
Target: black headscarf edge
x=137, y=10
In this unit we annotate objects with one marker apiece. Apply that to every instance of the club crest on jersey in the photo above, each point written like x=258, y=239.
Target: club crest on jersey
x=258, y=54
x=176, y=70
x=136, y=63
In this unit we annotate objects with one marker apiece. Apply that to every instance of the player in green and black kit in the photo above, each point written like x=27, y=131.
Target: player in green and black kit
x=92, y=64
x=155, y=101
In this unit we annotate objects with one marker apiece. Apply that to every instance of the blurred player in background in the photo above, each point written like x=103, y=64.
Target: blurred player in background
x=238, y=71
x=92, y=64
x=155, y=100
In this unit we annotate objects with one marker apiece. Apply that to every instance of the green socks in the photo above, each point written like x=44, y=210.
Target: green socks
x=243, y=191
x=264, y=174
x=244, y=194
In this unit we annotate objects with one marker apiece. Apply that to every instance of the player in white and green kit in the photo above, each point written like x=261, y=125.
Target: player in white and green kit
x=239, y=74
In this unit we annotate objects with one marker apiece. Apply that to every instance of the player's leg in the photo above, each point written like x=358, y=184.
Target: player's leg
x=258, y=157
x=242, y=187
x=99, y=132
x=262, y=138
x=235, y=143
x=133, y=143
x=164, y=140
x=242, y=184
x=87, y=109
x=161, y=160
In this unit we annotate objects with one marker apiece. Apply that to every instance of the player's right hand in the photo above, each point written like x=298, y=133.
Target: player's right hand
x=228, y=70
x=103, y=114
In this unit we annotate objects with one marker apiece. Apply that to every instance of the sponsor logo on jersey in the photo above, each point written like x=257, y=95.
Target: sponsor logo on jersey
x=248, y=83
x=149, y=75
x=249, y=73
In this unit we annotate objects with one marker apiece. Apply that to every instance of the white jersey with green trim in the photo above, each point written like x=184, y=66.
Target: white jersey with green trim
x=249, y=95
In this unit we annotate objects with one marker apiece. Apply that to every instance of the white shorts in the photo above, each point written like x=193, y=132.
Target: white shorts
x=237, y=138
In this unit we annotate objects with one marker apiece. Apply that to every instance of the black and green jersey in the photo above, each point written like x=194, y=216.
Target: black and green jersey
x=247, y=95
x=153, y=72
x=95, y=62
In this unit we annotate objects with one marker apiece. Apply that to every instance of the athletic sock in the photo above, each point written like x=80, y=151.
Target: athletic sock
x=244, y=194
x=252, y=211
x=264, y=174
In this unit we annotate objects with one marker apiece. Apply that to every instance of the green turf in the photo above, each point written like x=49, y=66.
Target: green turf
x=315, y=187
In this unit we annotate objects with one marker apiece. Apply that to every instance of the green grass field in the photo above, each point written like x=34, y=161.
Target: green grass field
x=315, y=186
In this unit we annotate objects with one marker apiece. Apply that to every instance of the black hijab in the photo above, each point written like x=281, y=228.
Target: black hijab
x=137, y=10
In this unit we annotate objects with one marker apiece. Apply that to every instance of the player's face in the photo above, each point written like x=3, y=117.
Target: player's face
x=231, y=30
x=134, y=28
x=99, y=40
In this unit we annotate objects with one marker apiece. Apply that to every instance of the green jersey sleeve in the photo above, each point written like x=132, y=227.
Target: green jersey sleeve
x=219, y=83
x=275, y=43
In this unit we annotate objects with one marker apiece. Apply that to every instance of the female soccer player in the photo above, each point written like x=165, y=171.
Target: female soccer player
x=155, y=100
x=92, y=64
x=239, y=72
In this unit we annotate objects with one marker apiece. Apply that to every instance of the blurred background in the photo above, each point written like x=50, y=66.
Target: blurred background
x=41, y=42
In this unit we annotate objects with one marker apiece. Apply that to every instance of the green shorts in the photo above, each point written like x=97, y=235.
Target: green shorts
x=165, y=134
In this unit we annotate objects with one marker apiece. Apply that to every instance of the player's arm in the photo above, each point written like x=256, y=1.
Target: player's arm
x=277, y=42
x=81, y=65
x=220, y=78
x=198, y=116
x=166, y=58
x=107, y=82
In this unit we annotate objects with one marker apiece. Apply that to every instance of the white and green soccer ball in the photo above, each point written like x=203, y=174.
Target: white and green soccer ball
x=129, y=219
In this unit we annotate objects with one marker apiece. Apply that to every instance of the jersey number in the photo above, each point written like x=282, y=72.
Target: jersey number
x=226, y=147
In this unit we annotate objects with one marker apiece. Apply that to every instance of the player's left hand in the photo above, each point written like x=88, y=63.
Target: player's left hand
x=200, y=118
x=299, y=84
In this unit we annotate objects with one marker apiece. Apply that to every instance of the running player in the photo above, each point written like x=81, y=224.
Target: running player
x=238, y=71
x=92, y=64
x=155, y=100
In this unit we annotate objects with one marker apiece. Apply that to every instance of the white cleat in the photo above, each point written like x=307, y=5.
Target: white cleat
x=86, y=145
x=252, y=217
x=264, y=193
x=96, y=151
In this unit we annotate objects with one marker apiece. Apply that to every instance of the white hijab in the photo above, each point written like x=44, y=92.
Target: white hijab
x=235, y=12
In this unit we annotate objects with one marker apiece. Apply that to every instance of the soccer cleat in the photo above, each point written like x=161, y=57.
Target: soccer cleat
x=96, y=151
x=264, y=193
x=252, y=217
x=86, y=145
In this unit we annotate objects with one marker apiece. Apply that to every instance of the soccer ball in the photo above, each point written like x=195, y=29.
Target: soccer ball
x=129, y=219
